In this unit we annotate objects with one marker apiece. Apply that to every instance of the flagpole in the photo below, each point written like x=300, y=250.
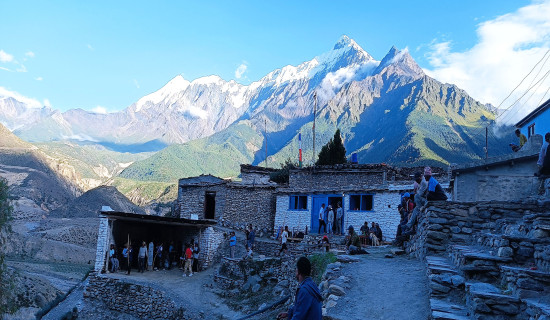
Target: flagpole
x=300, y=149
x=314, y=116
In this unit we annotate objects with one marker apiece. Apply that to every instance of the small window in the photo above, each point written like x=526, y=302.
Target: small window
x=361, y=202
x=298, y=203
x=531, y=130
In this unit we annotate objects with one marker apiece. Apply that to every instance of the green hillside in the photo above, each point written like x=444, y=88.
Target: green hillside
x=219, y=155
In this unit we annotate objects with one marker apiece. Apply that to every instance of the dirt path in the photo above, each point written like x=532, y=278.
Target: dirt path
x=383, y=288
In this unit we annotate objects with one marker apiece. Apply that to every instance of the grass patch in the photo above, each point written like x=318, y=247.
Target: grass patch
x=319, y=262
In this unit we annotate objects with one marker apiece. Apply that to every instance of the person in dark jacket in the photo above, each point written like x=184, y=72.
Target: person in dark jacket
x=308, y=304
x=435, y=191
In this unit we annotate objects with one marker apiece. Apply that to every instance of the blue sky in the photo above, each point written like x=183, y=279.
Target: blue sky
x=76, y=54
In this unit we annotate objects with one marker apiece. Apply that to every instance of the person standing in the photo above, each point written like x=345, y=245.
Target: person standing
x=339, y=216
x=196, y=251
x=150, y=256
x=330, y=219
x=113, y=258
x=232, y=244
x=142, y=256
x=308, y=303
x=322, y=219
x=126, y=258
x=543, y=162
x=522, y=141
x=188, y=261
x=284, y=238
x=251, y=239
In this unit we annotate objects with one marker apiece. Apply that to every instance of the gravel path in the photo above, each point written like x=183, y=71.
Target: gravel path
x=383, y=288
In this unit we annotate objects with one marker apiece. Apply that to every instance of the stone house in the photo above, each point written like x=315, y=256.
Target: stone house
x=509, y=177
x=367, y=192
x=230, y=203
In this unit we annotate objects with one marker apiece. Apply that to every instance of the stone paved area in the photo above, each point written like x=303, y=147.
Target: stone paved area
x=384, y=288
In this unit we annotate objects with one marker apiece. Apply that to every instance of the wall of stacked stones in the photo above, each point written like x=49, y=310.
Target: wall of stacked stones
x=103, y=239
x=191, y=200
x=210, y=241
x=245, y=205
x=445, y=223
x=337, y=179
x=384, y=213
x=141, y=301
x=254, y=178
x=294, y=219
x=504, y=182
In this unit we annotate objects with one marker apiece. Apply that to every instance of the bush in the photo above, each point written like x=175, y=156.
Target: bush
x=319, y=262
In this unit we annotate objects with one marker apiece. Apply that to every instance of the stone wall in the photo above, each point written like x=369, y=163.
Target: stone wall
x=294, y=219
x=246, y=204
x=209, y=243
x=236, y=205
x=334, y=179
x=141, y=301
x=511, y=179
x=191, y=200
x=384, y=213
x=103, y=239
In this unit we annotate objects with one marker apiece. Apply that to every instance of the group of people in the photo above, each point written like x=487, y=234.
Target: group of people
x=249, y=245
x=426, y=188
x=156, y=258
x=372, y=234
x=331, y=218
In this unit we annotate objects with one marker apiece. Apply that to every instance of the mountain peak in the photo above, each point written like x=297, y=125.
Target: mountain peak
x=346, y=41
x=400, y=59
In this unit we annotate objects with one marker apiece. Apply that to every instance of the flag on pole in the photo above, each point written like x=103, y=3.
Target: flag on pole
x=300, y=148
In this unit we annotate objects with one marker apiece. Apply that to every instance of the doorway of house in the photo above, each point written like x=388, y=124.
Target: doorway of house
x=209, y=205
x=318, y=201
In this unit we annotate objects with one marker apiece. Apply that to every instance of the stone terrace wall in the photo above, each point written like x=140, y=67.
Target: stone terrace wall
x=247, y=204
x=141, y=301
x=446, y=222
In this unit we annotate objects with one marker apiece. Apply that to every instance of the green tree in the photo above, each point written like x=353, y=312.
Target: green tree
x=333, y=152
x=6, y=284
x=282, y=175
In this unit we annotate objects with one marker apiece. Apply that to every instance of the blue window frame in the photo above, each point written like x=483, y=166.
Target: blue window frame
x=298, y=202
x=361, y=202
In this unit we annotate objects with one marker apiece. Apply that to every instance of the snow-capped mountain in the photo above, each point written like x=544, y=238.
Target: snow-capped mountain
x=184, y=110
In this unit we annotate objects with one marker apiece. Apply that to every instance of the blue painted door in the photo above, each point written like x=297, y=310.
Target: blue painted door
x=317, y=202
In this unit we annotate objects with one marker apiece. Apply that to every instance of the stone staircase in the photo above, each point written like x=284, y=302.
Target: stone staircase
x=502, y=271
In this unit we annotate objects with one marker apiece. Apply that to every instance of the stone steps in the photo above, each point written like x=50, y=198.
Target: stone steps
x=487, y=301
x=526, y=283
x=443, y=310
x=536, y=309
x=475, y=263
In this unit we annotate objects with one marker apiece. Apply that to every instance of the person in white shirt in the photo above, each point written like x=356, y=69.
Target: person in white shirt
x=322, y=219
x=284, y=238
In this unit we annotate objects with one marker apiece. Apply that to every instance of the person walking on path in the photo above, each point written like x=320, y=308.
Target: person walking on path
x=284, y=238
x=330, y=219
x=232, y=244
x=339, y=216
x=142, y=257
x=322, y=219
x=308, y=303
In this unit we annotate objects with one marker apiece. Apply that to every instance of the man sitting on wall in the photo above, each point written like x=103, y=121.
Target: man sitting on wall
x=522, y=141
x=420, y=187
x=434, y=192
x=353, y=246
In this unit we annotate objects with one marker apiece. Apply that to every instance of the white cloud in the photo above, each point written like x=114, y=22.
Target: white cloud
x=194, y=112
x=100, y=109
x=5, y=69
x=30, y=54
x=47, y=103
x=241, y=69
x=333, y=81
x=21, y=68
x=507, y=49
x=5, y=57
x=136, y=83
x=30, y=102
x=38, y=78
x=89, y=46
